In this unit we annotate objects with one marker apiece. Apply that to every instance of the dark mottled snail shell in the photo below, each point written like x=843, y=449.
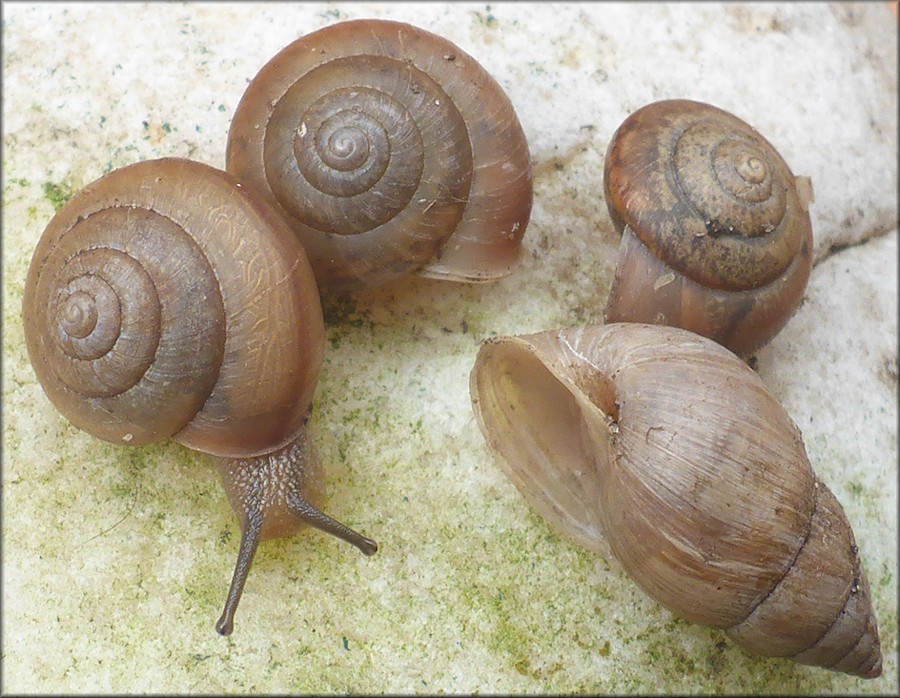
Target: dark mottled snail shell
x=716, y=237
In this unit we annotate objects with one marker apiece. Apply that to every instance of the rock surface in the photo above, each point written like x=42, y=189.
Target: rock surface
x=116, y=561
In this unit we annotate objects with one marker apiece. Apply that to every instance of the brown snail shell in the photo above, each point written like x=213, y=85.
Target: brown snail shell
x=389, y=150
x=166, y=300
x=668, y=449
x=716, y=236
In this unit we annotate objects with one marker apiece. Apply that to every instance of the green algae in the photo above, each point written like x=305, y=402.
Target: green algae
x=58, y=193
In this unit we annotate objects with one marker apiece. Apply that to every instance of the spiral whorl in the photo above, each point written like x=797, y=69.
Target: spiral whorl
x=727, y=178
x=89, y=311
x=165, y=300
x=706, y=193
x=825, y=574
x=357, y=153
x=107, y=325
x=379, y=141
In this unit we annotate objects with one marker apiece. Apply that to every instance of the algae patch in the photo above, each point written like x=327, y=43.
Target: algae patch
x=58, y=193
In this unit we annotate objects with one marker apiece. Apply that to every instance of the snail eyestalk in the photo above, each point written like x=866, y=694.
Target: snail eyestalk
x=273, y=495
x=308, y=514
x=249, y=544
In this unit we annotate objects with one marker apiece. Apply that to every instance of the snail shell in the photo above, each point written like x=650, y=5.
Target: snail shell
x=139, y=329
x=716, y=236
x=165, y=300
x=664, y=448
x=389, y=150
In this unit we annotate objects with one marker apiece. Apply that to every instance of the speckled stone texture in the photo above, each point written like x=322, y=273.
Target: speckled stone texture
x=116, y=561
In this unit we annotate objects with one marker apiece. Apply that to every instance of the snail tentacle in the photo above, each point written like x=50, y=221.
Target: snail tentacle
x=274, y=495
x=312, y=516
x=250, y=534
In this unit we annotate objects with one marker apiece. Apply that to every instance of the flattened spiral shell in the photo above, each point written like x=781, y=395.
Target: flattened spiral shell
x=349, y=140
x=163, y=300
x=716, y=234
x=379, y=141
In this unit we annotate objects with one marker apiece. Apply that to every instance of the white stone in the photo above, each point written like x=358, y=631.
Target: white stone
x=116, y=560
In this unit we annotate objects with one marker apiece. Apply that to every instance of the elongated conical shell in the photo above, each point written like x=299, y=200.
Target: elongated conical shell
x=667, y=448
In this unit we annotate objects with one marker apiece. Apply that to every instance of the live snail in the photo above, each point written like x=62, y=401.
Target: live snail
x=165, y=300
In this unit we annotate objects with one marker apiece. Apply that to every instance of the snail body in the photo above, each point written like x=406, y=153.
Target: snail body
x=716, y=235
x=389, y=151
x=663, y=448
x=166, y=300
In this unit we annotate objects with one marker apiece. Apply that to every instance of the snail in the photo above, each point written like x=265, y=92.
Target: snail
x=665, y=449
x=716, y=234
x=166, y=300
x=390, y=151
